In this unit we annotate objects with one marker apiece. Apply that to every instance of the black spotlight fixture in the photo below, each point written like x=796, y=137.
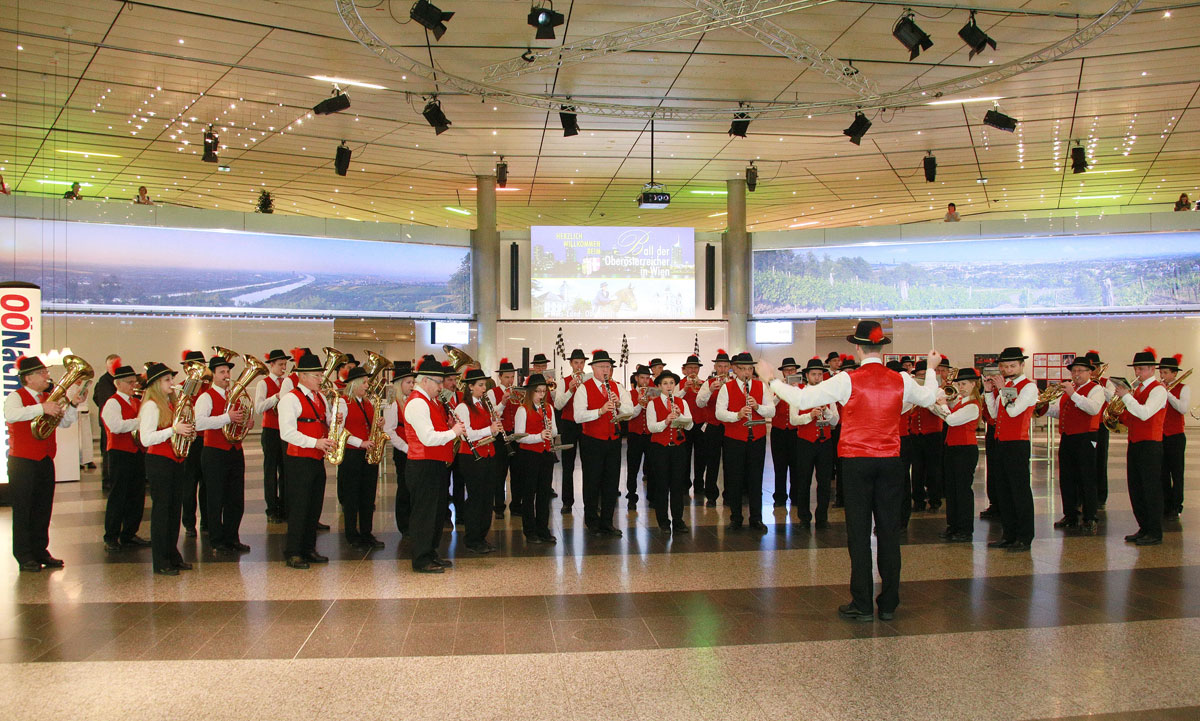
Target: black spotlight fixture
x=930, y=167
x=341, y=159
x=740, y=124
x=1000, y=121
x=975, y=38
x=435, y=117
x=212, y=144
x=430, y=17
x=751, y=177
x=911, y=36
x=501, y=173
x=544, y=19
x=570, y=124
x=1079, y=163
x=335, y=104
x=858, y=128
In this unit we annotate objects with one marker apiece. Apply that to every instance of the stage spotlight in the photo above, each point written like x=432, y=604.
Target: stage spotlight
x=435, y=117
x=930, y=167
x=339, y=102
x=430, y=17
x=570, y=124
x=341, y=159
x=858, y=128
x=751, y=177
x=740, y=124
x=212, y=145
x=544, y=19
x=501, y=173
x=1000, y=121
x=1079, y=163
x=975, y=38
x=911, y=36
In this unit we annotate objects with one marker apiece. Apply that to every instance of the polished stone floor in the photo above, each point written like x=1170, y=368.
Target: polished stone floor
x=710, y=625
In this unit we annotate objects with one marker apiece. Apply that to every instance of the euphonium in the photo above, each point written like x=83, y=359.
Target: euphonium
x=1048, y=396
x=1112, y=415
x=78, y=370
x=196, y=374
x=376, y=367
x=238, y=398
x=337, y=429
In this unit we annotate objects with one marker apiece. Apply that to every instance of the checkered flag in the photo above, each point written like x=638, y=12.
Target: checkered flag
x=560, y=347
x=624, y=350
x=696, y=346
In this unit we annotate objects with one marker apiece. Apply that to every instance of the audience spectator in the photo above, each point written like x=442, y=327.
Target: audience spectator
x=1183, y=203
x=73, y=193
x=952, y=213
x=142, y=198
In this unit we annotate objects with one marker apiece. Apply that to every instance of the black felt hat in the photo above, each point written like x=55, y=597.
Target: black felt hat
x=429, y=366
x=1144, y=357
x=665, y=375
x=743, y=358
x=355, y=373
x=274, y=355
x=123, y=372
x=815, y=364
x=966, y=374
x=308, y=362
x=155, y=371
x=868, y=332
x=600, y=356
x=218, y=361
x=722, y=356
x=1171, y=362
x=533, y=381
x=29, y=364
x=1012, y=353
x=401, y=370
x=1081, y=362
x=788, y=362
x=693, y=360
x=474, y=374
x=539, y=358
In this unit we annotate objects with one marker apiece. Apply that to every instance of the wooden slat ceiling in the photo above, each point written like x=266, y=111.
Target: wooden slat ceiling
x=90, y=72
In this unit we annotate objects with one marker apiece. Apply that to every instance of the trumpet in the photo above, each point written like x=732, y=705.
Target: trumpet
x=78, y=371
x=238, y=398
x=196, y=376
x=949, y=389
x=337, y=429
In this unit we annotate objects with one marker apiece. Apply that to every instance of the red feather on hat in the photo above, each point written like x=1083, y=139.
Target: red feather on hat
x=266, y=357
x=445, y=364
x=596, y=350
x=113, y=365
x=17, y=362
x=184, y=354
x=846, y=357
x=504, y=360
x=296, y=353
x=946, y=359
x=876, y=335
x=1178, y=357
x=1150, y=350
x=1093, y=352
x=720, y=351
x=816, y=358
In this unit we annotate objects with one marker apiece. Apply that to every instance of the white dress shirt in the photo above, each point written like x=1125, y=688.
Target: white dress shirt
x=766, y=409
x=111, y=415
x=704, y=395
x=562, y=396
x=837, y=389
x=149, y=433
x=968, y=413
x=15, y=410
x=463, y=413
x=1155, y=402
x=290, y=410
x=1184, y=402
x=391, y=415
x=416, y=415
x=1089, y=404
x=654, y=425
x=519, y=423
x=829, y=413
x=583, y=415
x=263, y=402
x=1025, y=399
x=205, y=420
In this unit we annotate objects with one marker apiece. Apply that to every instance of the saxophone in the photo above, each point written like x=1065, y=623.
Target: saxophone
x=377, y=387
x=78, y=370
x=337, y=429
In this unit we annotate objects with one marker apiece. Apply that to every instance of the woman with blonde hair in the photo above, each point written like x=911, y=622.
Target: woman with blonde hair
x=165, y=471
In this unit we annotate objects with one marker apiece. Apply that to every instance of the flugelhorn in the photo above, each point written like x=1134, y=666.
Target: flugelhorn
x=78, y=371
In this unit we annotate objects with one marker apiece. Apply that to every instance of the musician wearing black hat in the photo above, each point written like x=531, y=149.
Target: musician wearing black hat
x=1011, y=402
x=925, y=431
x=745, y=405
x=478, y=470
x=166, y=470
x=656, y=366
x=714, y=429
x=31, y=461
x=267, y=393
x=222, y=461
x=539, y=363
x=1078, y=412
x=304, y=421
x=1102, y=433
x=564, y=403
x=907, y=364
x=357, y=477
x=1179, y=402
x=102, y=390
x=599, y=407
x=1145, y=413
x=961, y=455
x=534, y=462
x=872, y=398
x=430, y=431
x=668, y=417
x=195, y=504
x=833, y=361
x=637, y=438
x=504, y=400
x=403, y=378
x=126, y=504
x=813, y=452
x=783, y=439
x=690, y=386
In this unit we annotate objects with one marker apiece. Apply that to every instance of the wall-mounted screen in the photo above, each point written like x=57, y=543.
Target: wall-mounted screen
x=1061, y=274
x=770, y=332
x=613, y=272
x=454, y=332
x=118, y=268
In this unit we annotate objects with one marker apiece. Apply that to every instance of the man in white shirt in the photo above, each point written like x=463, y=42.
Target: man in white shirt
x=1145, y=413
x=1102, y=433
x=599, y=408
x=564, y=397
x=1078, y=410
x=1011, y=402
x=267, y=393
x=714, y=430
x=745, y=405
x=126, y=503
x=393, y=422
x=1179, y=402
x=222, y=461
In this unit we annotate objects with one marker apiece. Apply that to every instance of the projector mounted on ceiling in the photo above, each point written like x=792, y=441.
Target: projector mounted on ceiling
x=654, y=196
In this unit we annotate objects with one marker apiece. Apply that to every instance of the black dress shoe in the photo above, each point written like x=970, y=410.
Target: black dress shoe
x=297, y=562
x=239, y=547
x=443, y=563
x=679, y=527
x=1149, y=541
x=549, y=538
x=182, y=566
x=1100, y=507
x=30, y=566
x=959, y=538
x=172, y=571
x=135, y=541
x=822, y=525
x=553, y=493
x=611, y=532
x=758, y=526
x=189, y=532
x=886, y=615
x=946, y=534
x=430, y=568
x=935, y=507
x=224, y=549
x=632, y=505
x=710, y=504
x=565, y=510
x=112, y=546
x=734, y=526
x=314, y=557
x=917, y=507
x=535, y=540
x=372, y=543
x=481, y=550
x=1170, y=516
x=838, y=504
x=1133, y=537
x=1019, y=547
x=322, y=526
x=988, y=512
x=1066, y=522
x=51, y=562
x=804, y=524
x=850, y=613
x=1002, y=543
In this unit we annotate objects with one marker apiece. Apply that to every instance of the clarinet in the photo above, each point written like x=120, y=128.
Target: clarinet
x=508, y=440
x=546, y=424
x=452, y=419
x=670, y=407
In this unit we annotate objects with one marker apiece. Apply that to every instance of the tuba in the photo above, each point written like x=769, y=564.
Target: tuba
x=78, y=371
x=196, y=375
x=377, y=386
x=337, y=429
x=238, y=398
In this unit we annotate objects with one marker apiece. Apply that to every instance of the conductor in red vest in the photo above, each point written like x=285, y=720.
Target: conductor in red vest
x=1011, y=402
x=597, y=408
x=1145, y=413
x=872, y=397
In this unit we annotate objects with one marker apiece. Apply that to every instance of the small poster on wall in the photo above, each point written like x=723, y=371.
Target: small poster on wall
x=1051, y=367
x=983, y=360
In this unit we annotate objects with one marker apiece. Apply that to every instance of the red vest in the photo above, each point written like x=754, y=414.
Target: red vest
x=810, y=431
x=637, y=424
x=698, y=413
x=964, y=434
x=311, y=422
x=924, y=422
x=165, y=449
x=668, y=436
x=602, y=428
x=906, y=422
x=736, y=398
x=1071, y=420
x=399, y=416
x=510, y=410
x=568, y=411
x=1148, y=430
x=535, y=423
x=21, y=443
x=215, y=437
x=1010, y=428
x=782, y=419
x=123, y=441
x=871, y=418
x=270, y=417
x=478, y=418
x=358, y=420
x=1173, y=423
x=418, y=451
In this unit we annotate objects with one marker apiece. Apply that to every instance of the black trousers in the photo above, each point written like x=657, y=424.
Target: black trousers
x=873, y=490
x=31, y=492
x=479, y=477
x=571, y=433
x=274, y=487
x=225, y=483
x=839, y=488
x=456, y=491
x=667, y=471
x=601, y=480
x=1013, y=492
x=744, y=476
x=194, y=505
x=906, y=496
x=959, y=466
x=783, y=445
x=357, y=484
x=127, y=498
x=1102, y=464
x=403, y=502
x=809, y=458
x=500, y=468
x=695, y=442
x=105, y=471
x=1174, y=448
x=1077, y=475
x=306, y=495
x=714, y=436
x=927, y=469
x=990, y=456
x=427, y=483
x=169, y=483
x=636, y=445
x=533, y=474
x=1143, y=463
